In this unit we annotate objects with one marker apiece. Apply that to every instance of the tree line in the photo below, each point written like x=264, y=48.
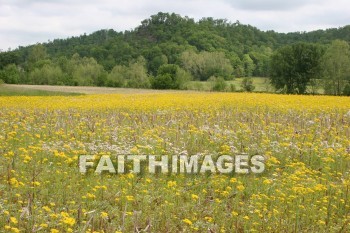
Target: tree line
x=298, y=66
x=168, y=50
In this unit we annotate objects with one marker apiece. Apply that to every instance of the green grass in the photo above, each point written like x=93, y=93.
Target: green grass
x=19, y=91
x=261, y=85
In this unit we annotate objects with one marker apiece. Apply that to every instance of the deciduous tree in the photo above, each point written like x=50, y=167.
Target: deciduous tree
x=293, y=66
x=336, y=67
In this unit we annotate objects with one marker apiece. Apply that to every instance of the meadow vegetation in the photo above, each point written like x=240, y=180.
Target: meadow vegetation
x=11, y=90
x=305, y=140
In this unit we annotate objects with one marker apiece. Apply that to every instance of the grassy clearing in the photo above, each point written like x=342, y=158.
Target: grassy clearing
x=305, y=140
x=261, y=85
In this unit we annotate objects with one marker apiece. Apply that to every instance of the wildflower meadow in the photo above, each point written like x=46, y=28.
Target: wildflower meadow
x=304, y=187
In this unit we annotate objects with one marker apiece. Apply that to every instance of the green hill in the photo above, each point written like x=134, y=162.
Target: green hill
x=243, y=50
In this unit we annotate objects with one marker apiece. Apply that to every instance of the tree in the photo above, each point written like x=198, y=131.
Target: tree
x=116, y=77
x=163, y=81
x=293, y=66
x=216, y=64
x=206, y=64
x=336, y=67
x=87, y=72
x=182, y=78
x=10, y=74
x=190, y=62
x=249, y=65
x=346, y=90
x=261, y=58
x=219, y=83
x=155, y=59
x=136, y=74
x=170, y=76
x=10, y=57
x=49, y=74
x=157, y=62
x=36, y=54
x=237, y=64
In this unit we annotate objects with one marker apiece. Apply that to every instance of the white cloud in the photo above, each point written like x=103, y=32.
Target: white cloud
x=272, y=5
x=24, y=22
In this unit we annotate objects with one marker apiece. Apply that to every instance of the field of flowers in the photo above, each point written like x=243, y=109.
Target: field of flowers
x=304, y=188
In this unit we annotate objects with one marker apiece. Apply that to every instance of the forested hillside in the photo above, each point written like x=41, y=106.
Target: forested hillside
x=165, y=49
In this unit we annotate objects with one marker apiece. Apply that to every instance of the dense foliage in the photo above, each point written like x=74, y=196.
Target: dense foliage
x=209, y=47
x=294, y=66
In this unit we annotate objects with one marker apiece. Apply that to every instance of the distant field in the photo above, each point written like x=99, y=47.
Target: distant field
x=27, y=90
x=261, y=85
x=9, y=89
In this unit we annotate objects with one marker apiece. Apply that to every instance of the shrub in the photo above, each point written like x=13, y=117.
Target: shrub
x=170, y=76
x=219, y=83
x=162, y=81
x=247, y=84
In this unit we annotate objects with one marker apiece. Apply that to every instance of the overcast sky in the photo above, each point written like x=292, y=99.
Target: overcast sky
x=24, y=22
